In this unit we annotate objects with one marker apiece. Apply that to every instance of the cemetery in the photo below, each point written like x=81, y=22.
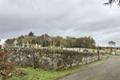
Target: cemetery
x=19, y=58
x=49, y=58
x=59, y=40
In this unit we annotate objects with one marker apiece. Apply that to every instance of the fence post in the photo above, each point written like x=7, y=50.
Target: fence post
x=98, y=53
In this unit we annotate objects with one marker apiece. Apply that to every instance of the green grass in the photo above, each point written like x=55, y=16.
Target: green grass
x=40, y=74
x=118, y=53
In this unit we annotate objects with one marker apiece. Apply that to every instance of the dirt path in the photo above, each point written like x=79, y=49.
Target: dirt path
x=109, y=70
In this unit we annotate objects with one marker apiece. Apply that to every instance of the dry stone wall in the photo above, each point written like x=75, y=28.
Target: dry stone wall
x=50, y=58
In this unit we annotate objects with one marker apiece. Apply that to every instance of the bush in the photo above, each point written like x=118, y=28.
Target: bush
x=6, y=67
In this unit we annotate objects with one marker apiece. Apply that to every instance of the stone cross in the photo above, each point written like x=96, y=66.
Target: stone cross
x=23, y=45
x=36, y=46
x=28, y=45
x=15, y=43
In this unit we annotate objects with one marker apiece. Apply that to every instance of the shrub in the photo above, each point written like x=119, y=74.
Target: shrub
x=6, y=67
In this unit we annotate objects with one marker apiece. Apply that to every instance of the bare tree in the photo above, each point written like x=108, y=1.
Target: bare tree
x=112, y=43
x=110, y=2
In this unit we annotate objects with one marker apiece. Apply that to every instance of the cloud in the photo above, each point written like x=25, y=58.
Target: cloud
x=60, y=17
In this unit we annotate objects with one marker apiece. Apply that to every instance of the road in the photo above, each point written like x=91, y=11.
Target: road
x=108, y=70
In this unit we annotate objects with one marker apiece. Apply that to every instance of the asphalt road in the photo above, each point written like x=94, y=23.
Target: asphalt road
x=109, y=70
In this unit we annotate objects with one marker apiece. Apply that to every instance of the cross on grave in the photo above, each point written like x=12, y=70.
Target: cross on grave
x=23, y=45
x=28, y=45
x=15, y=43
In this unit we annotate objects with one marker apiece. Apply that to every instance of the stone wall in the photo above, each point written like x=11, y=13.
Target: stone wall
x=50, y=58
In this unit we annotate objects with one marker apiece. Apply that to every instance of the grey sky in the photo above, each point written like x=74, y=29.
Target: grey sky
x=60, y=17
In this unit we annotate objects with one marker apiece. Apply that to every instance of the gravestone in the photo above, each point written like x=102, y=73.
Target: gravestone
x=23, y=45
x=113, y=53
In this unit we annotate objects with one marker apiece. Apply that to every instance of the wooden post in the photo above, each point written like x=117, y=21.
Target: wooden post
x=98, y=53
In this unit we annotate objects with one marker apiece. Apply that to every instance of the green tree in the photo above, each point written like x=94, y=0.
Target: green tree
x=45, y=40
x=10, y=42
x=31, y=34
x=69, y=42
x=57, y=41
x=85, y=42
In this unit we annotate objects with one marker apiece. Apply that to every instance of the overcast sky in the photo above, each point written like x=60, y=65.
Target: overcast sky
x=60, y=17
